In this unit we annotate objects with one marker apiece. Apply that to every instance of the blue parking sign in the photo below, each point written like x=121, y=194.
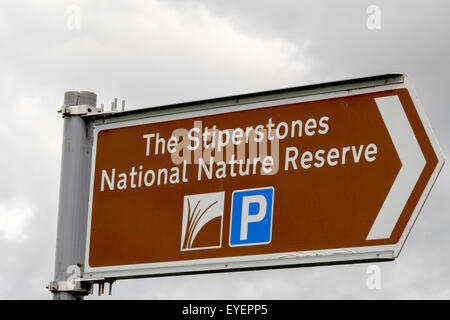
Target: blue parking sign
x=251, y=216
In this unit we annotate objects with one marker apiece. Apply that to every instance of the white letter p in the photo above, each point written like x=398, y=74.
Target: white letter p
x=248, y=218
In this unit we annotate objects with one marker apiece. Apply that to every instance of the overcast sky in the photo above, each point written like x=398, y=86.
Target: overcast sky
x=160, y=52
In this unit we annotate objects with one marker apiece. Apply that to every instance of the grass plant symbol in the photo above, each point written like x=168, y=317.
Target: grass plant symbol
x=194, y=217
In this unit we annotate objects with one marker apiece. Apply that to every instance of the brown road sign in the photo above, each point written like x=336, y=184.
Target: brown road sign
x=330, y=173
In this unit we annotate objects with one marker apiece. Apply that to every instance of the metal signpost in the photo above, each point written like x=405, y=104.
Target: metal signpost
x=320, y=174
x=74, y=195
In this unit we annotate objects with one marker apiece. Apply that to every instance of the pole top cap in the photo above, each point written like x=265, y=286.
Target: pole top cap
x=76, y=98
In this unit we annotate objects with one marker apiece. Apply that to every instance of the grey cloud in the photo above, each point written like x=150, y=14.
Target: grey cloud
x=173, y=51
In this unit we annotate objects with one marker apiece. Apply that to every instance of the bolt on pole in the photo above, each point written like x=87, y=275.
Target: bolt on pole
x=73, y=198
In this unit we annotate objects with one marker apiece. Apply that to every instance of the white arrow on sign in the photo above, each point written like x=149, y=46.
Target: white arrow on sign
x=412, y=160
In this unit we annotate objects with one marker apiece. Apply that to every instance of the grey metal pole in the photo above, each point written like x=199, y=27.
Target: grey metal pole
x=73, y=196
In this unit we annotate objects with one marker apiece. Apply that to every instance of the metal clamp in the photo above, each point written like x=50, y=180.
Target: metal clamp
x=75, y=285
x=66, y=286
x=83, y=109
